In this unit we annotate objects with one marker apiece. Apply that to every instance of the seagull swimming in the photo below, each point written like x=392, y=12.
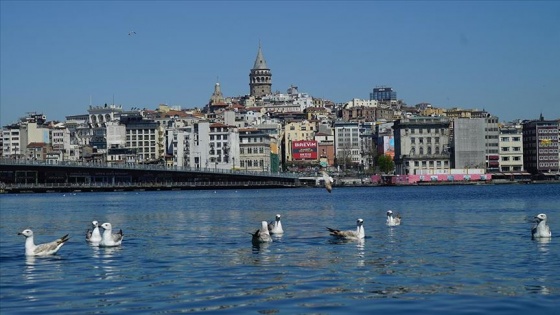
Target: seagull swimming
x=42, y=249
x=261, y=235
x=391, y=220
x=275, y=227
x=357, y=234
x=328, y=181
x=94, y=236
x=540, y=229
x=109, y=239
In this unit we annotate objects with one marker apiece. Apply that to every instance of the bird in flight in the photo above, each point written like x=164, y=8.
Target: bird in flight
x=131, y=33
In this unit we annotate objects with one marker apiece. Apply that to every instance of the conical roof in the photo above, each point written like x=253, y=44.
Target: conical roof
x=260, y=63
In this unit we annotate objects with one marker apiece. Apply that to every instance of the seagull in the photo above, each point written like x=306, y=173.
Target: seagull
x=261, y=235
x=109, y=239
x=131, y=33
x=94, y=236
x=328, y=181
x=358, y=234
x=275, y=227
x=42, y=249
x=391, y=220
x=540, y=229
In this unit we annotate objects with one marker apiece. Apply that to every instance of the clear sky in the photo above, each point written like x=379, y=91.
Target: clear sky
x=58, y=56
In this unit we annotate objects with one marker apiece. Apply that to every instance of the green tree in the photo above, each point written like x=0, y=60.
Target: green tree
x=385, y=164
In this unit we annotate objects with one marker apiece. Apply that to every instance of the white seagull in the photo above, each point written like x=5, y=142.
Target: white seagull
x=42, y=249
x=261, y=235
x=109, y=239
x=357, y=234
x=541, y=229
x=391, y=220
x=328, y=181
x=94, y=236
x=275, y=227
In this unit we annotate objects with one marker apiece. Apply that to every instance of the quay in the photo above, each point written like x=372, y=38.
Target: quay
x=23, y=176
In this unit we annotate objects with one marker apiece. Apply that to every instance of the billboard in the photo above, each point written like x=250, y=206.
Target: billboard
x=389, y=146
x=304, y=150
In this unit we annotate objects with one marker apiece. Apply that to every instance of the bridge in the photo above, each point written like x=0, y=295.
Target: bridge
x=21, y=176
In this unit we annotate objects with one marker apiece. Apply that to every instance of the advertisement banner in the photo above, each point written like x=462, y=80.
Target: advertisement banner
x=304, y=150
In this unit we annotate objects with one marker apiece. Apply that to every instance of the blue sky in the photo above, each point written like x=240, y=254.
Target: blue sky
x=501, y=56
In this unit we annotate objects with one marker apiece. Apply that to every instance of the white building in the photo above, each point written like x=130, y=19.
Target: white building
x=347, y=143
x=511, y=148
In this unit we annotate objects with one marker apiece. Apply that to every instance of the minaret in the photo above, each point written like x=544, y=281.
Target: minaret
x=260, y=78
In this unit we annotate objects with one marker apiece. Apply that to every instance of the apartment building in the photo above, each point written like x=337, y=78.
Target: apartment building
x=422, y=145
x=511, y=148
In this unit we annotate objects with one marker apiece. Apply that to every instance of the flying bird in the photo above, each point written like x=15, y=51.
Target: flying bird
x=94, y=237
x=109, y=239
x=42, y=249
x=541, y=229
x=275, y=227
x=357, y=234
x=393, y=220
x=328, y=181
x=131, y=33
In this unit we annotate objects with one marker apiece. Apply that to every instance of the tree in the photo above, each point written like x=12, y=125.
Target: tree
x=385, y=163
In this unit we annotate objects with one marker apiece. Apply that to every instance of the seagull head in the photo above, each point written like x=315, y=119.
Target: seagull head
x=389, y=213
x=540, y=217
x=277, y=217
x=95, y=223
x=360, y=221
x=26, y=233
x=107, y=226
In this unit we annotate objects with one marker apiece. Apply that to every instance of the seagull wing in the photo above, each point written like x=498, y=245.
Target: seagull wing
x=50, y=247
x=118, y=236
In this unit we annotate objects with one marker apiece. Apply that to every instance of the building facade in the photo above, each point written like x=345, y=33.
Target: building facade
x=422, y=145
x=540, y=146
x=511, y=148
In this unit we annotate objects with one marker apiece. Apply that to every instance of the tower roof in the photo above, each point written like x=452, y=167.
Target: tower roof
x=260, y=63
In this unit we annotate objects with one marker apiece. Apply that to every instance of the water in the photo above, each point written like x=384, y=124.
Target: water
x=460, y=249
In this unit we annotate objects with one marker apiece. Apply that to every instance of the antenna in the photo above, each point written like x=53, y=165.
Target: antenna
x=90, y=100
x=113, y=98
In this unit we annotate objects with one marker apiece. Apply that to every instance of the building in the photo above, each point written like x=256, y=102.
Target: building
x=347, y=144
x=492, y=142
x=254, y=150
x=143, y=137
x=468, y=144
x=11, y=142
x=260, y=77
x=511, y=148
x=422, y=145
x=383, y=94
x=540, y=147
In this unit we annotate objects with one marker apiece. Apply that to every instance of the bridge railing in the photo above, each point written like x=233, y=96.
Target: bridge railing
x=151, y=167
x=116, y=186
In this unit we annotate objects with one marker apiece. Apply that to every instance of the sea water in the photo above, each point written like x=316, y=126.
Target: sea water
x=459, y=249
